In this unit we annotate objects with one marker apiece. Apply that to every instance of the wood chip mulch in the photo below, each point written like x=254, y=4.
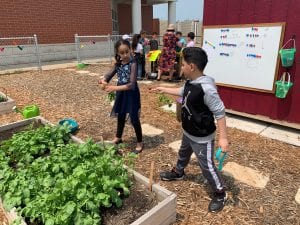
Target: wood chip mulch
x=61, y=93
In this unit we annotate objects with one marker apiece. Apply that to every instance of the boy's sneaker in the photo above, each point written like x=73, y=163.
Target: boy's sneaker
x=217, y=203
x=171, y=175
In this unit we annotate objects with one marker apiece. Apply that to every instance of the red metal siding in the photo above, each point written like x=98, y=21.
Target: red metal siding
x=228, y=12
x=55, y=21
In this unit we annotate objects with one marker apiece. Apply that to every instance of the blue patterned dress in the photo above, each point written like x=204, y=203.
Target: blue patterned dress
x=129, y=101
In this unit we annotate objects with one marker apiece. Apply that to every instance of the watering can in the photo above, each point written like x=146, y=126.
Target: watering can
x=28, y=111
x=220, y=157
x=73, y=125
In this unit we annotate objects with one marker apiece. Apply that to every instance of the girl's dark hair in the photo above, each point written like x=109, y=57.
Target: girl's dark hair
x=135, y=41
x=196, y=56
x=117, y=45
x=191, y=35
x=143, y=32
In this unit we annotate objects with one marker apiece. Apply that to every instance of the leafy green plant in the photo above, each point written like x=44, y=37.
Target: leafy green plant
x=111, y=96
x=53, y=181
x=164, y=100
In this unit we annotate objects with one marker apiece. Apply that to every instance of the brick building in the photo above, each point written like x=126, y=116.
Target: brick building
x=57, y=21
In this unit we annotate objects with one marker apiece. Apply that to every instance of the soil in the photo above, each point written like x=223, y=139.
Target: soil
x=143, y=200
x=67, y=94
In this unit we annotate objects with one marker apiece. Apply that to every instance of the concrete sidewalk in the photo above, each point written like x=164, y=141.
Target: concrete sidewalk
x=277, y=132
x=54, y=65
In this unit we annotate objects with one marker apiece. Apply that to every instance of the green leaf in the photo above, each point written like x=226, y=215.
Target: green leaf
x=81, y=193
x=67, y=211
x=49, y=221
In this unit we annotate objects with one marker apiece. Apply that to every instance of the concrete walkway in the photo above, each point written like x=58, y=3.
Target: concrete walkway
x=280, y=133
x=54, y=65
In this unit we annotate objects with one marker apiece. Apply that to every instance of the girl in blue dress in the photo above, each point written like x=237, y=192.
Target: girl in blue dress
x=127, y=92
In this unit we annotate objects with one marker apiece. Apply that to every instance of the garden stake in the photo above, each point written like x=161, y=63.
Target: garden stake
x=151, y=176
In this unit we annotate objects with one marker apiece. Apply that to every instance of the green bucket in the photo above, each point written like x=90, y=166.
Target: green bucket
x=283, y=86
x=287, y=56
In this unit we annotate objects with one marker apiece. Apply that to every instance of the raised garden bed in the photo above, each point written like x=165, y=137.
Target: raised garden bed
x=163, y=213
x=6, y=103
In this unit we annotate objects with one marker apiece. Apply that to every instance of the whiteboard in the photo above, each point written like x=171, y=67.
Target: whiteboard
x=243, y=56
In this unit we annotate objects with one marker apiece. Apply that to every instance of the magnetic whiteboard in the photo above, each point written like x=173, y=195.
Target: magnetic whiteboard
x=243, y=56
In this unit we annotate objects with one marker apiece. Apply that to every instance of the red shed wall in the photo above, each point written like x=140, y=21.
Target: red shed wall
x=228, y=12
x=55, y=21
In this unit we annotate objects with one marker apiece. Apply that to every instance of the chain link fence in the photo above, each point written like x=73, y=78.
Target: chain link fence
x=91, y=47
x=19, y=52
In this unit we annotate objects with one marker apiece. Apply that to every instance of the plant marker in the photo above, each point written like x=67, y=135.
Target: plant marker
x=151, y=176
x=15, y=109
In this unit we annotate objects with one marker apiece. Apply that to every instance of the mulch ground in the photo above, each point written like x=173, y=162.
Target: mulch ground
x=61, y=93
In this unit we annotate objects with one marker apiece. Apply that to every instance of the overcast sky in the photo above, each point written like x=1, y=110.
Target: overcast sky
x=185, y=10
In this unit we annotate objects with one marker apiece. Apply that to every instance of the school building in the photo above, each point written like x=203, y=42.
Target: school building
x=57, y=21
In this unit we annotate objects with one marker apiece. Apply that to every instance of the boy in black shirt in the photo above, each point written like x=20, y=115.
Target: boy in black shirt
x=201, y=104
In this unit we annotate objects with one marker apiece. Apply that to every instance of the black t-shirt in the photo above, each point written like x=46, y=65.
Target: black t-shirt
x=153, y=45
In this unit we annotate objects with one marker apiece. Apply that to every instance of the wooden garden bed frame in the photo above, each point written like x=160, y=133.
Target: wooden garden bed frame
x=164, y=213
x=6, y=107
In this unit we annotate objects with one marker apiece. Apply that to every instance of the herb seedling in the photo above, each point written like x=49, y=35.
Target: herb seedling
x=111, y=96
x=165, y=100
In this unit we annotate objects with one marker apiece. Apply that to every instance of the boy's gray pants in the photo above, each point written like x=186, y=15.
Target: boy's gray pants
x=205, y=154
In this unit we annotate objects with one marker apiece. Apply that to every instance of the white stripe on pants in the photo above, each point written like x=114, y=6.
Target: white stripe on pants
x=204, y=153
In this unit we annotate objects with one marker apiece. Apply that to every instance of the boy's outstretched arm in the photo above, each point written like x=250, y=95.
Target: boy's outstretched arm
x=171, y=91
x=223, y=141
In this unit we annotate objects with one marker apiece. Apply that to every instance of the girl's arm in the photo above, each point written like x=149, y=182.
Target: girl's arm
x=128, y=86
x=171, y=91
x=107, y=77
x=140, y=48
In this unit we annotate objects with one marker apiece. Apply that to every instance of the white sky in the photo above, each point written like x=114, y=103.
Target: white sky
x=185, y=10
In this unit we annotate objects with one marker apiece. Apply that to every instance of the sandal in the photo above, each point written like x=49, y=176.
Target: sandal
x=119, y=141
x=137, y=151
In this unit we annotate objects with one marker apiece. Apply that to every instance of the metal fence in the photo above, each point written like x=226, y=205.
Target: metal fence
x=19, y=51
x=91, y=47
x=198, y=40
